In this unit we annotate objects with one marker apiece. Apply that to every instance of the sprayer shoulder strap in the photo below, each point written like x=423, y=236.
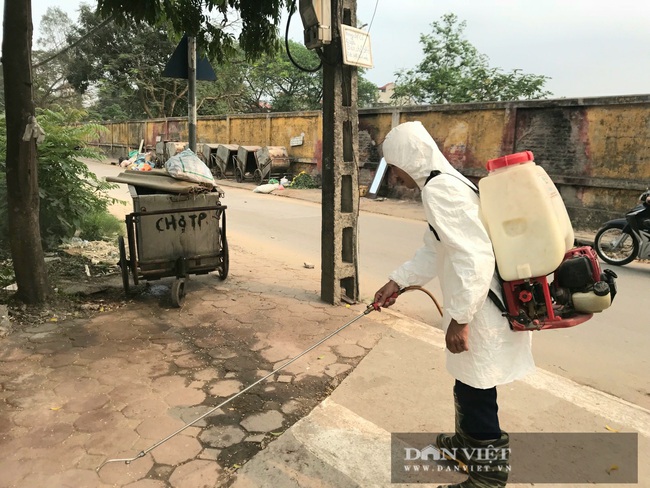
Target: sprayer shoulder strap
x=493, y=296
x=432, y=175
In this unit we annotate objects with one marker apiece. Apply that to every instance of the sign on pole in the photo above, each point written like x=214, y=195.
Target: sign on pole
x=356, y=47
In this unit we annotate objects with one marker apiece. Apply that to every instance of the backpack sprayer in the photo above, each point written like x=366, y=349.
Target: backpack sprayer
x=532, y=237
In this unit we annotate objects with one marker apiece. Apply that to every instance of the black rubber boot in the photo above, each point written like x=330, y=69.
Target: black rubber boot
x=488, y=462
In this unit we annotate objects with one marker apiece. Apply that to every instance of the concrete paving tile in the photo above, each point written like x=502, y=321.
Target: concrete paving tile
x=61, y=359
x=255, y=317
x=258, y=439
x=369, y=341
x=99, y=420
x=225, y=388
x=14, y=471
x=120, y=474
x=189, y=361
x=168, y=383
x=66, y=373
x=196, y=474
x=39, y=328
x=149, y=406
x=49, y=348
x=349, y=350
x=280, y=351
x=184, y=396
x=120, y=333
x=62, y=457
x=5, y=425
x=177, y=450
x=263, y=422
x=292, y=406
x=210, y=454
x=188, y=414
x=76, y=478
x=129, y=393
x=73, y=387
x=284, y=379
x=13, y=353
x=222, y=353
x=110, y=441
x=90, y=461
x=222, y=436
x=49, y=435
x=206, y=375
x=336, y=369
x=142, y=354
x=14, y=440
x=209, y=342
x=146, y=484
x=87, y=403
x=27, y=380
x=239, y=364
x=158, y=427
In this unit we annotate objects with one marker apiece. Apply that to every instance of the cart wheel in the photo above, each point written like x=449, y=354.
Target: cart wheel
x=124, y=264
x=257, y=176
x=217, y=173
x=178, y=292
x=239, y=176
x=225, y=258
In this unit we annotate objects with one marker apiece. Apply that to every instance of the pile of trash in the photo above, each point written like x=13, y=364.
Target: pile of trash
x=139, y=161
x=182, y=173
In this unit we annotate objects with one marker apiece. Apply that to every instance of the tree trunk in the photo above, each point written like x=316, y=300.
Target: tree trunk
x=22, y=177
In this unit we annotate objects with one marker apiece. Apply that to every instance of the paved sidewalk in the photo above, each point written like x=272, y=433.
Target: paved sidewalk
x=76, y=393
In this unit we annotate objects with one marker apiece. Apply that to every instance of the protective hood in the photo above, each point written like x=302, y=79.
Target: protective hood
x=410, y=147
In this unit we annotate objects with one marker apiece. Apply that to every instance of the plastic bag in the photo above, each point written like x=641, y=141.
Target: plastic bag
x=268, y=188
x=187, y=166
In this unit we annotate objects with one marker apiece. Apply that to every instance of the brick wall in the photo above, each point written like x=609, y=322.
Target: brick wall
x=597, y=150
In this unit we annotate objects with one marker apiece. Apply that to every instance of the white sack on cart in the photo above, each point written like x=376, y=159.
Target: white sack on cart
x=187, y=166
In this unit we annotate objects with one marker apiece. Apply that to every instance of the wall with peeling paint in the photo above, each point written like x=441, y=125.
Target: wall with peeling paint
x=597, y=150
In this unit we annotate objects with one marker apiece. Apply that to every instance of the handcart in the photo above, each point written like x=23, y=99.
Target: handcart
x=224, y=161
x=273, y=162
x=172, y=232
x=247, y=166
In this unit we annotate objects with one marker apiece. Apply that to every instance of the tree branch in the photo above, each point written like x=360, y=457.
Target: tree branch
x=74, y=44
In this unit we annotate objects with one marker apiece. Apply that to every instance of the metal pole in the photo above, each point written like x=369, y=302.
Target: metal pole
x=191, y=92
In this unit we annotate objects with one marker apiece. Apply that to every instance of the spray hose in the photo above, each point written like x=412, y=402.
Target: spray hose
x=376, y=306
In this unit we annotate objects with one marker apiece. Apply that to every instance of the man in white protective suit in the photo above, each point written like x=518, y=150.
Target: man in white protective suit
x=482, y=351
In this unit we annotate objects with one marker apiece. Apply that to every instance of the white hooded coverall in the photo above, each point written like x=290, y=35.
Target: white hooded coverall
x=463, y=260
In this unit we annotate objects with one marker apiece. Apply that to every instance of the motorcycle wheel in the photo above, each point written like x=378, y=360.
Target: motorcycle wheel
x=615, y=246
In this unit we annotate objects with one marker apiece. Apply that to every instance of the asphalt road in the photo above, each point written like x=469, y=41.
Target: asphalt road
x=609, y=352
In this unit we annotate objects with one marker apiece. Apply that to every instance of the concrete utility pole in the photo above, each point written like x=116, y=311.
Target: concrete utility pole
x=191, y=91
x=340, y=208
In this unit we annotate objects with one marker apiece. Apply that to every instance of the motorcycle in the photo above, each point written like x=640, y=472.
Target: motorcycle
x=621, y=241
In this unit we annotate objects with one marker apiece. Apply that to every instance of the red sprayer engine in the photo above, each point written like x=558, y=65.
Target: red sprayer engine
x=532, y=236
x=578, y=290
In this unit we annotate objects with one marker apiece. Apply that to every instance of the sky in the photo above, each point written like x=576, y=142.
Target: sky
x=586, y=47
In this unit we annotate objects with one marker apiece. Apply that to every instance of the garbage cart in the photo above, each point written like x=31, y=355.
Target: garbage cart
x=225, y=161
x=246, y=166
x=173, y=231
x=273, y=161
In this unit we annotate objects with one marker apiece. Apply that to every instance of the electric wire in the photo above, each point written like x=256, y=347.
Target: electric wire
x=292, y=10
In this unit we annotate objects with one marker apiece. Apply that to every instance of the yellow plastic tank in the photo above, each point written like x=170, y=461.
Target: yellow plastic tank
x=525, y=217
